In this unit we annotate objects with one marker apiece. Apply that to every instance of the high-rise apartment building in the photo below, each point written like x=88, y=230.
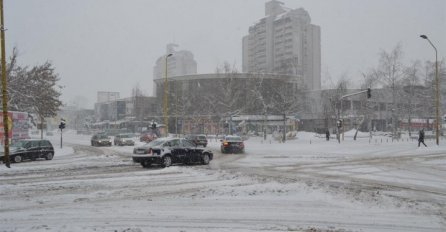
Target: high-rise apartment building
x=284, y=42
x=179, y=64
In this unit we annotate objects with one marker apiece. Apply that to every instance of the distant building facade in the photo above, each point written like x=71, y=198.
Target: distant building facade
x=284, y=42
x=322, y=109
x=137, y=108
x=104, y=96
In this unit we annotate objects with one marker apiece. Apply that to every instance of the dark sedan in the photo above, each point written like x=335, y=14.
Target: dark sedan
x=100, y=140
x=31, y=149
x=168, y=151
x=232, y=144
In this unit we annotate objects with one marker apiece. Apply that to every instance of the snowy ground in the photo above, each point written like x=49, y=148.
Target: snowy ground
x=306, y=184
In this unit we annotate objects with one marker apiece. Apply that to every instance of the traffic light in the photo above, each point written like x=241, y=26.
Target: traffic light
x=369, y=93
x=62, y=124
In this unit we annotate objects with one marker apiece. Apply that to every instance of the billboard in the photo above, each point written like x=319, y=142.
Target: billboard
x=18, y=126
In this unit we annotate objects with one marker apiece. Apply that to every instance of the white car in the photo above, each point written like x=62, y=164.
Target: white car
x=124, y=139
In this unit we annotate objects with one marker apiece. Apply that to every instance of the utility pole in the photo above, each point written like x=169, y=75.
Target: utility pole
x=284, y=129
x=4, y=90
x=230, y=124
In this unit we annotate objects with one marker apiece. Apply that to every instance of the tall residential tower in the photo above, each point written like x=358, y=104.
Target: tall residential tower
x=179, y=64
x=284, y=42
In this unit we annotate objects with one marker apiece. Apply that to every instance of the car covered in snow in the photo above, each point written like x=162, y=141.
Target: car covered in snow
x=232, y=144
x=124, y=139
x=168, y=151
x=29, y=149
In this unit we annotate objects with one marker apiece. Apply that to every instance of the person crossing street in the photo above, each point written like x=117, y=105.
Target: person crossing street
x=421, y=138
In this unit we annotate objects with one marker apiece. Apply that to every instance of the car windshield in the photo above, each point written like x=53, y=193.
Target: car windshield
x=102, y=137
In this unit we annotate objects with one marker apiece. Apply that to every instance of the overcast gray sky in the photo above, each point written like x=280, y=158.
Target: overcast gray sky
x=112, y=45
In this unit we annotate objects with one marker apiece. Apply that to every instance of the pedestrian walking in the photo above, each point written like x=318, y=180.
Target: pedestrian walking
x=327, y=135
x=421, y=138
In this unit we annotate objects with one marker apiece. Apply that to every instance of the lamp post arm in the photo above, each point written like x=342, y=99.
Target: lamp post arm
x=428, y=40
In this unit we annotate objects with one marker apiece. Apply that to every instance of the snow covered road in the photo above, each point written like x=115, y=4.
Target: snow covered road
x=296, y=186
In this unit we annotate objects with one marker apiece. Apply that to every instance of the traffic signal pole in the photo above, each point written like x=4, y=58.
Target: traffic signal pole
x=60, y=138
x=61, y=127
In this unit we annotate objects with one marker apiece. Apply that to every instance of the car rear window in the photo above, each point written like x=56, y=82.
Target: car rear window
x=233, y=139
x=45, y=143
x=19, y=144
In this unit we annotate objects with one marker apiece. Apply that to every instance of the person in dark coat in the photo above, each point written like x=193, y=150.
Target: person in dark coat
x=327, y=135
x=421, y=138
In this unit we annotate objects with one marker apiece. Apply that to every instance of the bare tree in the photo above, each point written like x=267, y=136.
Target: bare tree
x=390, y=71
x=412, y=91
x=138, y=103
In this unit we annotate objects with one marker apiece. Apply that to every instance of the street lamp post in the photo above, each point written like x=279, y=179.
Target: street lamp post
x=437, y=93
x=166, y=98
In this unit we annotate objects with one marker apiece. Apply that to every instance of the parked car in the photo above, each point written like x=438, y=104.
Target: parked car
x=30, y=149
x=198, y=140
x=168, y=151
x=124, y=139
x=147, y=137
x=232, y=144
x=100, y=140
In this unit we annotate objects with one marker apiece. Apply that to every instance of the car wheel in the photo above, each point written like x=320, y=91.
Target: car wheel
x=49, y=156
x=167, y=161
x=145, y=164
x=17, y=159
x=205, y=159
